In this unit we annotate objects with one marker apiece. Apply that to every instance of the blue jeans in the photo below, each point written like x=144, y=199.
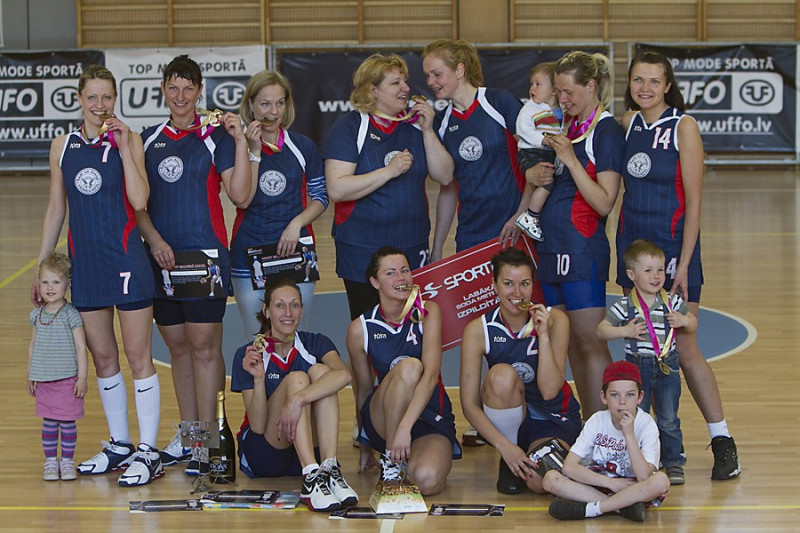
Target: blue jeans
x=665, y=392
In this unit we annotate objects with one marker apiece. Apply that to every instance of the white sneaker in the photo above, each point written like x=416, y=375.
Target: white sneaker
x=337, y=484
x=530, y=225
x=391, y=471
x=51, y=469
x=114, y=456
x=67, y=467
x=316, y=493
x=146, y=467
x=175, y=453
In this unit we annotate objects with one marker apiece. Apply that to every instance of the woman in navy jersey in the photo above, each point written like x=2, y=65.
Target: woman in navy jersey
x=524, y=402
x=99, y=172
x=289, y=381
x=574, y=261
x=287, y=193
x=663, y=175
x=376, y=161
x=189, y=160
x=477, y=128
x=408, y=418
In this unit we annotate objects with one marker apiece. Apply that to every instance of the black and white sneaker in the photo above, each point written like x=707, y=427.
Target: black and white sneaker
x=114, y=456
x=175, y=453
x=392, y=472
x=316, y=493
x=726, y=458
x=146, y=467
x=199, y=463
x=337, y=484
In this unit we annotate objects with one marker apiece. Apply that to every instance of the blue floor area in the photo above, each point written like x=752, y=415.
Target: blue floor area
x=720, y=334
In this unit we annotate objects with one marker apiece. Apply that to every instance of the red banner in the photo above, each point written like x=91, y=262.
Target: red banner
x=462, y=286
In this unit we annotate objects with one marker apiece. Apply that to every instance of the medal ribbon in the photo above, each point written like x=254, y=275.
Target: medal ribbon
x=203, y=119
x=263, y=343
x=576, y=133
x=414, y=308
x=278, y=146
x=528, y=329
x=643, y=310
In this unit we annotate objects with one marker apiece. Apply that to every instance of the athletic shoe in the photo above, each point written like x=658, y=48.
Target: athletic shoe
x=337, y=484
x=530, y=225
x=726, y=459
x=567, y=509
x=68, y=472
x=175, y=453
x=146, y=467
x=507, y=482
x=391, y=471
x=675, y=475
x=115, y=456
x=316, y=493
x=198, y=465
x=51, y=469
x=471, y=437
x=633, y=512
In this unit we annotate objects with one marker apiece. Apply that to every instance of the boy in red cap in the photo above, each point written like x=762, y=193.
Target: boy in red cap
x=622, y=444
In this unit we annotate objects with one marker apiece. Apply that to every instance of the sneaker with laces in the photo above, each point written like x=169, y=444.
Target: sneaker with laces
x=199, y=463
x=633, y=512
x=726, y=458
x=675, y=475
x=391, y=471
x=567, y=509
x=51, y=472
x=114, y=456
x=337, y=484
x=68, y=472
x=507, y=482
x=316, y=493
x=530, y=225
x=175, y=453
x=146, y=467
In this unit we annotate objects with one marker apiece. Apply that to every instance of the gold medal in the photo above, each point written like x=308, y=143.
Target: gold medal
x=207, y=118
x=417, y=98
x=664, y=367
x=413, y=303
x=104, y=127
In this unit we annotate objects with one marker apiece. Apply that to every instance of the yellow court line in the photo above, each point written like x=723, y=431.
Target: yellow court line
x=27, y=267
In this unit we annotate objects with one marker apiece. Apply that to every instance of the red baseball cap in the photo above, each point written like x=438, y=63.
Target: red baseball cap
x=621, y=371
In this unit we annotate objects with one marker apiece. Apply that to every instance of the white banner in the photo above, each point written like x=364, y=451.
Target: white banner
x=139, y=73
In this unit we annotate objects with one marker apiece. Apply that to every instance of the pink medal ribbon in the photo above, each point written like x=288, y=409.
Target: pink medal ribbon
x=660, y=351
x=278, y=146
x=578, y=132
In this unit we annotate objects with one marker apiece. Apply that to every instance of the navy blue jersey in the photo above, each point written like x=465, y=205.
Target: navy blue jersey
x=654, y=205
x=386, y=345
x=308, y=350
x=481, y=142
x=576, y=247
x=185, y=183
x=109, y=263
x=397, y=213
x=281, y=195
x=503, y=346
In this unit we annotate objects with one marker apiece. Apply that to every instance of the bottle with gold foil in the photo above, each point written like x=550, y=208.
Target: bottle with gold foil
x=222, y=460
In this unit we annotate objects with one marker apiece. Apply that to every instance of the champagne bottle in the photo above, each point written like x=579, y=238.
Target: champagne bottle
x=222, y=460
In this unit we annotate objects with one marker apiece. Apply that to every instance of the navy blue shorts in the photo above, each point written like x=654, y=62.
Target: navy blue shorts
x=132, y=306
x=258, y=458
x=533, y=430
x=174, y=312
x=575, y=295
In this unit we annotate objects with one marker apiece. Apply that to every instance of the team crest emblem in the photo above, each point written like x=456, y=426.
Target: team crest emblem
x=470, y=149
x=171, y=169
x=88, y=181
x=639, y=165
x=272, y=183
x=524, y=371
x=389, y=157
x=397, y=360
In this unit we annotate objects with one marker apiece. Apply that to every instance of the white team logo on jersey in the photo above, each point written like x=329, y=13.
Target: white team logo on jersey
x=524, y=371
x=272, y=182
x=470, y=149
x=88, y=181
x=171, y=169
x=639, y=165
x=389, y=157
x=397, y=360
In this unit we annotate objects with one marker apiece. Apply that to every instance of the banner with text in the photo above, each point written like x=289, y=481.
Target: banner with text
x=743, y=96
x=38, y=99
x=139, y=73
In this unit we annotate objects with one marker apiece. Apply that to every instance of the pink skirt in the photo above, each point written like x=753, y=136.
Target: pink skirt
x=56, y=400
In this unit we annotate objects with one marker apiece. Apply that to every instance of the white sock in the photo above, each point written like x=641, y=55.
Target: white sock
x=148, y=409
x=593, y=509
x=507, y=421
x=114, y=398
x=310, y=468
x=718, y=429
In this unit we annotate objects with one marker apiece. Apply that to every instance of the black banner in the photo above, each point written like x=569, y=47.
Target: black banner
x=322, y=82
x=742, y=96
x=38, y=98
